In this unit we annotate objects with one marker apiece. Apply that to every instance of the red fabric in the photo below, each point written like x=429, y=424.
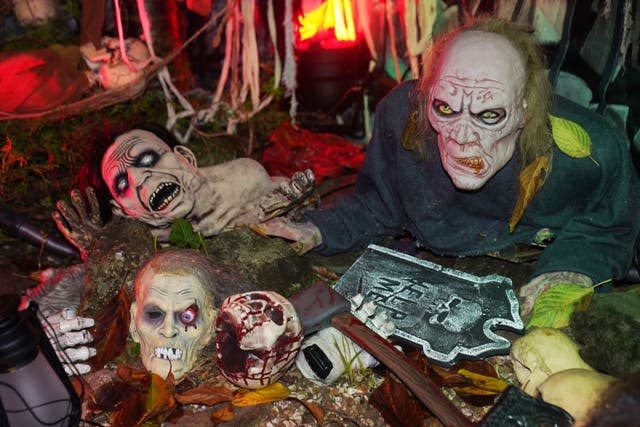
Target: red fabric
x=327, y=155
x=38, y=81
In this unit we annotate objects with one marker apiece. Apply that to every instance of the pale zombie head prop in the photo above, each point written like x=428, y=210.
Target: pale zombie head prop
x=148, y=180
x=476, y=106
x=258, y=336
x=174, y=310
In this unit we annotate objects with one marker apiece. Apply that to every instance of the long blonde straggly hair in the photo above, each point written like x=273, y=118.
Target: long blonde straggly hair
x=535, y=138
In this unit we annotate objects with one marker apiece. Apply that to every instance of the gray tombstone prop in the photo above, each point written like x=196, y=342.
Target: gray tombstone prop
x=449, y=313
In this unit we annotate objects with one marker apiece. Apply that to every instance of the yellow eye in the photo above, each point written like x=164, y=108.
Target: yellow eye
x=442, y=108
x=489, y=115
x=492, y=117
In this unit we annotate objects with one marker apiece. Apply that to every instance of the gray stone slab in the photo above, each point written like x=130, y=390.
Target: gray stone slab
x=449, y=313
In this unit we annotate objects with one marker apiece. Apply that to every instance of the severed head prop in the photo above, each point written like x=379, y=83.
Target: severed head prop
x=148, y=179
x=174, y=310
x=258, y=336
x=477, y=106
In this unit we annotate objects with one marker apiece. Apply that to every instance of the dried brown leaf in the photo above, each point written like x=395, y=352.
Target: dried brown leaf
x=530, y=180
x=397, y=405
x=223, y=413
x=111, y=329
x=205, y=394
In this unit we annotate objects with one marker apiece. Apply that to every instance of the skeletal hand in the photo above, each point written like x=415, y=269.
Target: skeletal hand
x=68, y=333
x=545, y=281
x=77, y=223
x=328, y=354
x=292, y=195
x=305, y=235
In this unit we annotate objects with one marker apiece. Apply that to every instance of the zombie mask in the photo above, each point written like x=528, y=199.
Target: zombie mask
x=173, y=314
x=258, y=335
x=477, y=107
x=148, y=180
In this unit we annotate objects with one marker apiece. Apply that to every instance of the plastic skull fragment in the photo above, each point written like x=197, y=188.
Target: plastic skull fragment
x=258, y=336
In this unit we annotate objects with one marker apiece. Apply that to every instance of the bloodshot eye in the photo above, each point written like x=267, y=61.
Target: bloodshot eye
x=189, y=316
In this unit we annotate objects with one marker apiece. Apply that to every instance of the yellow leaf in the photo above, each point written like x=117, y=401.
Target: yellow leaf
x=484, y=382
x=529, y=181
x=571, y=138
x=553, y=308
x=275, y=391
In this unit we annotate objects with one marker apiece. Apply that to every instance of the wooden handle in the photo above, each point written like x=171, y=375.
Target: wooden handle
x=421, y=386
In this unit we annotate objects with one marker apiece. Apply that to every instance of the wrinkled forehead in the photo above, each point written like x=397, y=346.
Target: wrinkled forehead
x=128, y=146
x=169, y=286
x=481, y=58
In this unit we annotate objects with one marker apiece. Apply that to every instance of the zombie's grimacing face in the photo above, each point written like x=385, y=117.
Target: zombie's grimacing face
x=477, y=107
x=172, y=319
x=148, y=180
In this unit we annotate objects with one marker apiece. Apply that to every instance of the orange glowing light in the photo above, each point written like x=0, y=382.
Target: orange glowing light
x=336, y=14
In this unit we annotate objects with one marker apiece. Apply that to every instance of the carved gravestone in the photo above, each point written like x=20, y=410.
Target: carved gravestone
x=449, y=313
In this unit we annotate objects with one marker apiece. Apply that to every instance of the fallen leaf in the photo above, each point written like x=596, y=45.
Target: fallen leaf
x=314, y=409
x=111, y=329
x=224, y=413
x=325, y=273
x=553, y=307
x=397, y=405
x=271, y=393
x=160, y=400
x=484, y=382
x=138, y=406
x=570, y=138
x=529, y=182
x=205, y=394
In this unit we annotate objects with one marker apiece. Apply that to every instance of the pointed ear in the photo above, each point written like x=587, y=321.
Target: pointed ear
x=132, y=323
x=116, y=209
x=183, y=152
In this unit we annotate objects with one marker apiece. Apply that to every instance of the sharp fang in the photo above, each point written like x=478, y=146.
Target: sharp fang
x=167, y=353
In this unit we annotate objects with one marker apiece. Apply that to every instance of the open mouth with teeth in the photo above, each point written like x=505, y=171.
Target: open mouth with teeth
x=474, y=163
x=168, y=353
x=164, y=194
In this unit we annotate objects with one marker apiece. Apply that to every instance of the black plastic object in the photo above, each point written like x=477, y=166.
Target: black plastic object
x=515, y=408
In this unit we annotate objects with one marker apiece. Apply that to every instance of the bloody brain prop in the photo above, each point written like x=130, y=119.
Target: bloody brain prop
x=258, y=336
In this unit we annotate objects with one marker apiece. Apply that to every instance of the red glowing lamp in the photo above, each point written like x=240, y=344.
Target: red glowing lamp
x=330, y=23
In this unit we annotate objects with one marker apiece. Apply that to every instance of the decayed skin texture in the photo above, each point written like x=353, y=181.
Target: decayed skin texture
x=477, y=107
x=155, y=184
x=174, y=310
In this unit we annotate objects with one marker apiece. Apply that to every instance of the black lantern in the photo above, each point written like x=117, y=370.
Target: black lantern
x=34, y=389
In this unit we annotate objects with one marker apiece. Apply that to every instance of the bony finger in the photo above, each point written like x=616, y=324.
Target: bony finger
x=75, y=324
x=76, y=369
x=80, y=353
x=71, y=339
x=356, y=301
x=68, y=313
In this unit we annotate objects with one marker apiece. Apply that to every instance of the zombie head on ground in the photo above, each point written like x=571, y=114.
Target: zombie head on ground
x=173, y=314
x=148, y=179
x=487, y=95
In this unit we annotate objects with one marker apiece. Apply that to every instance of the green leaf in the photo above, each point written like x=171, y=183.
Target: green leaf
x=571, y=138
x=553, y=308
x=183, y=235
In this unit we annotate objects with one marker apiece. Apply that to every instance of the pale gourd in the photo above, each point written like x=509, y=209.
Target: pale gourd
x=577, y=391
x=541, y=353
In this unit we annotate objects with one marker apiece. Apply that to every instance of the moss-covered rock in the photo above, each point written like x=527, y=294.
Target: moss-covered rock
x=269, y=263
x=609, y=331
